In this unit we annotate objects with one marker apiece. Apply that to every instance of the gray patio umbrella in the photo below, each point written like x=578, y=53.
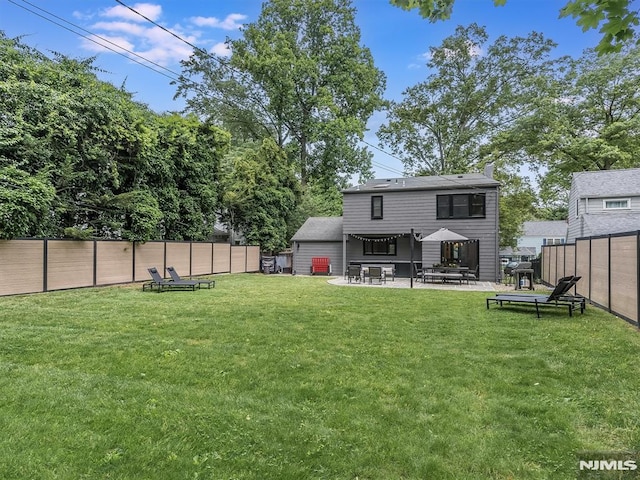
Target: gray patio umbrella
x=444, y=235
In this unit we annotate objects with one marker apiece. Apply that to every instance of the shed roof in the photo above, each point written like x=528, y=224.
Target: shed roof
x=319, y=229
x=607, y=183
x=439, y=182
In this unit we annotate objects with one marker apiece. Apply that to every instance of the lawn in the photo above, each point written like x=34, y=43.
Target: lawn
x=280, y=377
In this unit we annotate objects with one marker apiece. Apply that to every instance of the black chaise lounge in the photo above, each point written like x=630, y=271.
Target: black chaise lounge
x=177, y=278
x=161, y=284
x=559, y=297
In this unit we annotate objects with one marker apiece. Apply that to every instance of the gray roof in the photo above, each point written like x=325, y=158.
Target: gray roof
x=599, y=224
x=607, y=183
x=518, y=252
x=439, y=182
x=545, y=228
x=319, y=229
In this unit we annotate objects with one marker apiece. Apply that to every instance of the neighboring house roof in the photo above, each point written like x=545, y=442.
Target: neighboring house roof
x=467, y=180
x=611, y=223
x=319, y=229
x=518, y=252
x=607, y=183
x=545, y=228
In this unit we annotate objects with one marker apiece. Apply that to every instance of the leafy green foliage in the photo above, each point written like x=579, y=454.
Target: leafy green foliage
x=117, y=169
x=615, y=16
x=441, y=124
x=25, y=202
x=589, y=120
x=259, y=194
x=300, y=76
x=317, y=200
x=517, y=205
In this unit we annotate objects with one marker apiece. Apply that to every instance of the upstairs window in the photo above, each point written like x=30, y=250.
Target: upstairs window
x=616, y=204
x=466, y=205
x=376, y=207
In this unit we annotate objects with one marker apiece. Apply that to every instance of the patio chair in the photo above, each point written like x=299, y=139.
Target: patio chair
x=418, y=273
x=389, y=272
x=176, y=278
x=376, y=273
x=354, y=272
x=161, y=284
x=559, y=297
x=472, y=275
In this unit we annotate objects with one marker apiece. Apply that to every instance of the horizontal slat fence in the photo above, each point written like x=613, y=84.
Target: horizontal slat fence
x=41, y=265
x=610, y=270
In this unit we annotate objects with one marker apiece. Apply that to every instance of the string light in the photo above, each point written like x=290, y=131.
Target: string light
x=376, y=239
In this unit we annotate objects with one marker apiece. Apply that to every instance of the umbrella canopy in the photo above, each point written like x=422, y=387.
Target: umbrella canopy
x=444, y=235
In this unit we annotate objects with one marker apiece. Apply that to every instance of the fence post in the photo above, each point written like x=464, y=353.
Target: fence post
x=95, y=262
x=590, y=265
x=45, y=263
x=133, y=261
x=638, y=278
x=609, y=272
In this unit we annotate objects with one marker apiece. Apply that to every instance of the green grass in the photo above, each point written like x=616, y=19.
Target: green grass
x=278, y=377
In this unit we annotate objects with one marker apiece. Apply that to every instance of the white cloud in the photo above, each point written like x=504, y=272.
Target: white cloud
x=112, y=43
x=124, y=27
x=81, y=15
x=134, y=34
x=233, y=21
x=149, y=10
x=221, y=49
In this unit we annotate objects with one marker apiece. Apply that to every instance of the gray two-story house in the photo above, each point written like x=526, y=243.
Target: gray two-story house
x=380, y=216
x=604, y=202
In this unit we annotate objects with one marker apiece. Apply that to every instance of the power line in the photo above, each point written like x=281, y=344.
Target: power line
x=93, y=39
x=177, y=76
x=243, y=74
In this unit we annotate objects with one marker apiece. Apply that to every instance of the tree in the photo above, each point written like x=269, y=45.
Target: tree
x=517, y=204
x=316, y=200
x=615, y=16
x=259, y=194
x=591, y=121
x=441, y=124
x=117, y=169
x=298, y=75
x=186, y=175
x=25, y=203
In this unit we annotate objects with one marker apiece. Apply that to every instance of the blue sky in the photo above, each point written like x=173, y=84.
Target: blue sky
x=397, y=39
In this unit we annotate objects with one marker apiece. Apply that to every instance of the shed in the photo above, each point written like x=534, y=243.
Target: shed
x=318, y=237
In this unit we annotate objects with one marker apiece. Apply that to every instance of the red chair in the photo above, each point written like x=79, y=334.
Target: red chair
x=320, y=265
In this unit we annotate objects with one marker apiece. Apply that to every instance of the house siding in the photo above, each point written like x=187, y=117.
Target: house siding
x=576, y=209
x=303, y=252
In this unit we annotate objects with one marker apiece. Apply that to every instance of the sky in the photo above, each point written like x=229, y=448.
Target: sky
x=399, y=40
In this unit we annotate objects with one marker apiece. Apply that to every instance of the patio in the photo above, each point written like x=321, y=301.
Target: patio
x=406, y=283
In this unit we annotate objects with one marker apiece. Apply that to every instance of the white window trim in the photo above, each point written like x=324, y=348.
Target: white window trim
x=605, y=200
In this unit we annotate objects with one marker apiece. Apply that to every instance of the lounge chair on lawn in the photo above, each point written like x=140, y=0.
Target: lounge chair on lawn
x=559, y=297
x=177, y=278
x=161, y=284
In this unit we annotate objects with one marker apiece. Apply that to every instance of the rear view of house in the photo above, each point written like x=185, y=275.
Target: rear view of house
x=380, y=216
